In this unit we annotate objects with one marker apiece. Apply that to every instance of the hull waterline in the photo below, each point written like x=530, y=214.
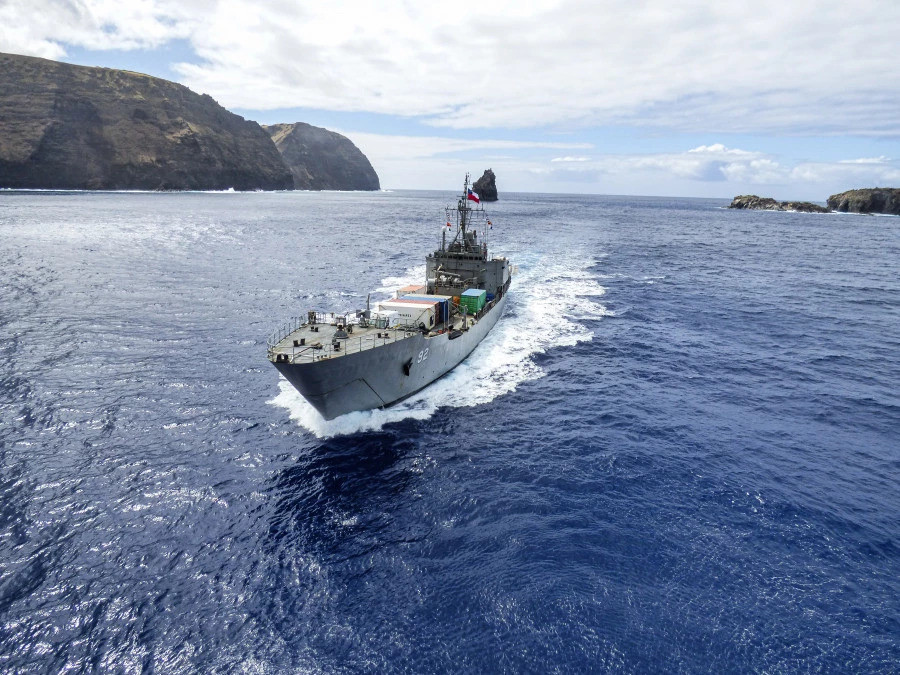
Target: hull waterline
x=378, y=378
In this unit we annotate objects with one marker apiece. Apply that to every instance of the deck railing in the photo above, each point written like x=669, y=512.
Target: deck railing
x=285, y=330
x=326, y=350
x=323, y=318
x=350, y=345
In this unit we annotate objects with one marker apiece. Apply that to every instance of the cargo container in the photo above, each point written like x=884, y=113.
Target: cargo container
x=423, y=296
x=443, y=313
x=411, y=313
x=432, y=304
x=473, y=300
x=415, y=288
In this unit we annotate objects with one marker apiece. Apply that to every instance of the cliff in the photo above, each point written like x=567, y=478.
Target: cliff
x=486, y=186
x=322, y=160
x=872, y=200
x=75, y=127
x=768, y=204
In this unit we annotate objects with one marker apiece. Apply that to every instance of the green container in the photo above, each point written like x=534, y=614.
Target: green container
x=473, y=300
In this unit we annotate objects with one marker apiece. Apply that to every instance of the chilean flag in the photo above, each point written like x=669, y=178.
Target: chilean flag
x=473, y=196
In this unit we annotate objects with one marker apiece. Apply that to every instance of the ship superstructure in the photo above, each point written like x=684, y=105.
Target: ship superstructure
x=375, y=357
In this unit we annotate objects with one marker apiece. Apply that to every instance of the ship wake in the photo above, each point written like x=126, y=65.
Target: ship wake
x=547, y=306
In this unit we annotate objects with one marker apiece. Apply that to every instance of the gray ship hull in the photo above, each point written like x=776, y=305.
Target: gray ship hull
x=379, y=377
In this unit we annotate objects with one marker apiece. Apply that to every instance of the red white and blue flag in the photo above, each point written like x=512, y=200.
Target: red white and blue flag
x=473, y=196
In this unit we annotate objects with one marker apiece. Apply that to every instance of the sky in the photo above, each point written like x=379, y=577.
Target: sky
x=694, y=98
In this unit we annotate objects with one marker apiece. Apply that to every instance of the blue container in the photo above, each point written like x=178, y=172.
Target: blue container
x=443, y=313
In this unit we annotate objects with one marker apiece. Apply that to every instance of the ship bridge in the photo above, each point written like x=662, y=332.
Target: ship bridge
x=463, y=263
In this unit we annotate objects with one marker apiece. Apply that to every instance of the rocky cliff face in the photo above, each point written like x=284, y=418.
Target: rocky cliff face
x=873, y=200
x=65, y=126
x=486, y=186
x=769, y=204
x=322, y=160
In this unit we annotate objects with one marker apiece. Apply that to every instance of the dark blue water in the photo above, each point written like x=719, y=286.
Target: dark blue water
x=678, y=451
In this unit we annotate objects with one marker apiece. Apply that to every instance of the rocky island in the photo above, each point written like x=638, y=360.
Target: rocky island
x=320, y=159
x=71, y=127
x=768, y=204
x=75, y=127
x=868, y=200
x=486, y=186
x=871, y=200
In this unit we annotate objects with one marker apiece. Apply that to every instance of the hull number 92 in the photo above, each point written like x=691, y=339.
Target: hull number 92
x=422, y=355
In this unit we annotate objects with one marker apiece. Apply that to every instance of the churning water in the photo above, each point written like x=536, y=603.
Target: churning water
x=679, y=450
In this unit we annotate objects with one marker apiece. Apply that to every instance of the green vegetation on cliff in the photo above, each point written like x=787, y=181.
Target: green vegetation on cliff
x=74, y=127
x=869, y=200
x=320, y=159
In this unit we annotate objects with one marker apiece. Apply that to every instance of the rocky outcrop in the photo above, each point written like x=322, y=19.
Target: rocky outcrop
x=871, y=200
x=769, y=204
x=486, y=186
x=322, y=160
x=73, y=127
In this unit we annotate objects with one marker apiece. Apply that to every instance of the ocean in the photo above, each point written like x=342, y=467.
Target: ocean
x=678, y=451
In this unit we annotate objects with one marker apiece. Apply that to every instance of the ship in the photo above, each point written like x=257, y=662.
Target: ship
x=375, y=357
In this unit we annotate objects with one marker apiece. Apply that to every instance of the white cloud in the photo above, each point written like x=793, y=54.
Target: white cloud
x=867, y=160
x=707, y=163
x=719, y=150
x=823, y=68
x=712, y=170
x=846, y=173
x=715, y=170
x=757, y=171
x=415, y=147
x=44, y=27
x=440, y=161
x=810, y=67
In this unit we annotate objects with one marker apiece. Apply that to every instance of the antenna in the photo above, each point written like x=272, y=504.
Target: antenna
x=464, y=242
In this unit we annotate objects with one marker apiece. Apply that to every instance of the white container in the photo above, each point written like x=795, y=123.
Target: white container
x=411, y=313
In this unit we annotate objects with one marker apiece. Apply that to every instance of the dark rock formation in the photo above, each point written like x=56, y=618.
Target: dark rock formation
x=322, y=160
x=74, y=127
x=872, y=200
x=769, y=204
x=486, y=187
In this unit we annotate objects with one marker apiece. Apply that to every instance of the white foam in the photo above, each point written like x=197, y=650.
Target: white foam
x=545, y=307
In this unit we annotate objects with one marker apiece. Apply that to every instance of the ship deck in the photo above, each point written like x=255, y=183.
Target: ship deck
x=306, y=343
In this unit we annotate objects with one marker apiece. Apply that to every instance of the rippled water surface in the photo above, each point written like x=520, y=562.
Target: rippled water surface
x=679, y=450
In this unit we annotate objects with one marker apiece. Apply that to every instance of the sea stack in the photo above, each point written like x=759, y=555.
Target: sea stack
x=486, y=186
x=320, y=159
x=74, y=127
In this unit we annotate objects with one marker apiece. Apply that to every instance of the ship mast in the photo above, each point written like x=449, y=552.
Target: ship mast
x=463, y=206
x=465, y=239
